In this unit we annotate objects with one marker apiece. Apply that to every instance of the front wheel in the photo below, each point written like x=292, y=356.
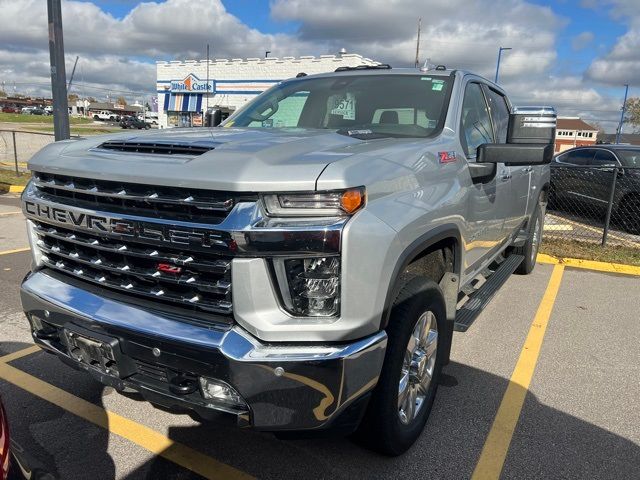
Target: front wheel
x=404, y=395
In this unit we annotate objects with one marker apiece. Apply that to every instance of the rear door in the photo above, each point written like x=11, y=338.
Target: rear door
x=600, y=178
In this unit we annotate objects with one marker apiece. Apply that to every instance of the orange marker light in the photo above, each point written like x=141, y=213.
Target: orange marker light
x=352, y=200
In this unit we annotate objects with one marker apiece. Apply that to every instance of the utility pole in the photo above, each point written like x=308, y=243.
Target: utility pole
x=417, y=63
x=58, y=73
x=502, y=49
x=624, y=109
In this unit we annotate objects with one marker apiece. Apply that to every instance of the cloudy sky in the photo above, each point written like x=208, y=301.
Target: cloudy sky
x=574, y=54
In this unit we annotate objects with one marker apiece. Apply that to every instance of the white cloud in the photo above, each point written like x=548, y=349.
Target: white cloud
x=622, y=63
x=118, y=54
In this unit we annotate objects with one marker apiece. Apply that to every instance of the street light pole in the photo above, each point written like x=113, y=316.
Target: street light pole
x=498, y=65
x=624, y=109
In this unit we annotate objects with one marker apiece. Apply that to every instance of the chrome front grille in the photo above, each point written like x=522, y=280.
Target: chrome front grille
x=186, y=204
x=199, y=281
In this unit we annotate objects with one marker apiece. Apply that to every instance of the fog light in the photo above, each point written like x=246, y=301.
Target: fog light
x=310, y=286
x=219, y=391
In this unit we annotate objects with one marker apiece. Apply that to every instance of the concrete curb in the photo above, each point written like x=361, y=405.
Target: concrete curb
x=590, y=265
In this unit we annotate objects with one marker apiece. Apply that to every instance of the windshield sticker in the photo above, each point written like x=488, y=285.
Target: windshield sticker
x=425, y=78
x=345, y=106
x=431, y=124
x=437, y=86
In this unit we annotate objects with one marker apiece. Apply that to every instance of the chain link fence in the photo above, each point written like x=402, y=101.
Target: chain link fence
x=595, y=204
x=17, y=147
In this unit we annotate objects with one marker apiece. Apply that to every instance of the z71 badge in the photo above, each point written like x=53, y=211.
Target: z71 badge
x=447, y=157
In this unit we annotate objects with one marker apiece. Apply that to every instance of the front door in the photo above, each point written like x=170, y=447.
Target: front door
x=489, y=197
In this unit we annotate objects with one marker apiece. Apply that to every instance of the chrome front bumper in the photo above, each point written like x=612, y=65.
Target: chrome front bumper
x=285, y=387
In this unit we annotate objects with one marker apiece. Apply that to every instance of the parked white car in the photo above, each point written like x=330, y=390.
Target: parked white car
x=105, y=115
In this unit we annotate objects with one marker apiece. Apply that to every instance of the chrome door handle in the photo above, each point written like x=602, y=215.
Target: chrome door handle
x=505, y=177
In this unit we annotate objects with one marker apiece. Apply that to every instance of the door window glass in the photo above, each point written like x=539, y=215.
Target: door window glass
x=499, y=114
x=604, y=157
x=578, y=157
x=476, y=123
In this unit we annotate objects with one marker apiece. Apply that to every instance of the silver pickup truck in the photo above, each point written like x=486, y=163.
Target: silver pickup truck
x=302, y=266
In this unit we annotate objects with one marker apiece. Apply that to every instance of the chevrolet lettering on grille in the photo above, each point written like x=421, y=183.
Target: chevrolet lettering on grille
x=127, y=228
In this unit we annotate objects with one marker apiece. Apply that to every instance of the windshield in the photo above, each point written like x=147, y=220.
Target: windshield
x=359, y=105
x=631, y=157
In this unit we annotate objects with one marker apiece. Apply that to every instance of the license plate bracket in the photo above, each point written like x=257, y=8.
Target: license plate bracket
x=94, y=351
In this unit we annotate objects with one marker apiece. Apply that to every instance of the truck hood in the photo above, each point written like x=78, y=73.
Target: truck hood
x=239, y=159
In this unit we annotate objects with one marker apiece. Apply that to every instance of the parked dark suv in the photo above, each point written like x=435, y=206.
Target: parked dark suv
x=584, y=176
x=133, y=122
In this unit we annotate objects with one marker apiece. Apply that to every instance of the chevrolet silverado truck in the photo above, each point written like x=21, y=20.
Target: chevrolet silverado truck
x=301, y=267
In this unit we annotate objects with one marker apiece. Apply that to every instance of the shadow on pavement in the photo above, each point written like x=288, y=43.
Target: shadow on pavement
x=562, y=445
x=552, y=444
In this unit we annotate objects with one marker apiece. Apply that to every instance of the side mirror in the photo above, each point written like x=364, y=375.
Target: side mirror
x=532, y=125
x=530, y=139
x=515, y=154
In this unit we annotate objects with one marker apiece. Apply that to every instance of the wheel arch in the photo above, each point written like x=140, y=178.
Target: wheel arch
x=444, y=236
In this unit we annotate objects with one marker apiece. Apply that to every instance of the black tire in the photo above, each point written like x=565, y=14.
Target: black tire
x=381, y=429
x=96, y=117
x=628, y=214
x=530, y=248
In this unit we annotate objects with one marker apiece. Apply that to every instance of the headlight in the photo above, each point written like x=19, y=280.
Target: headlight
x=310, y=287
x=337, y=203
x=33, y=243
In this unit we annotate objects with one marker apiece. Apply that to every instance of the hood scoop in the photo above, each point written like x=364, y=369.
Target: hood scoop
x=159, y=148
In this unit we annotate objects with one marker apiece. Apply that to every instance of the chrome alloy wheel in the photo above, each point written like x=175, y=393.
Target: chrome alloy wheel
x=417, y=367
x=535, y=241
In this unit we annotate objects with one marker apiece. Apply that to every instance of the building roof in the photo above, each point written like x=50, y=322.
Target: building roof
x=573, y=123
x=630, y=138
x=111, y=106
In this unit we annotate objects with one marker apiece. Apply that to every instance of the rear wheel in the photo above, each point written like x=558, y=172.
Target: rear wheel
x=530, y=249
x=403, y=398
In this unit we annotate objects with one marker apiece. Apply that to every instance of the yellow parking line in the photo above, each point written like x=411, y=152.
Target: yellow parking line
x=496, y=446
x=590, y=265
x=19, y=354
x=16, y=189
x=141, y=435
x=15, y=250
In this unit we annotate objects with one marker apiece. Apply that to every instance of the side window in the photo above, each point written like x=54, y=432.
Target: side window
x=499, y=114
x=603, y=157
x=476, y=123
x=579, y=157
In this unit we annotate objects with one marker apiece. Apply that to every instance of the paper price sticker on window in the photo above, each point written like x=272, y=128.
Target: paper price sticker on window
x=437, y=85
x=345, y=107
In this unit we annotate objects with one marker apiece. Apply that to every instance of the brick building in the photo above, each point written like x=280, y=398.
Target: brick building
x=574, y=132
x=184, y=93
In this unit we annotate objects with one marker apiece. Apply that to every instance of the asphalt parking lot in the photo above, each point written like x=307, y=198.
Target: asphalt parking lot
x=545, y=384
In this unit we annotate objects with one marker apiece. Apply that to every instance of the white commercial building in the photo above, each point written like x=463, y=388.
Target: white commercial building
x=184, y=94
